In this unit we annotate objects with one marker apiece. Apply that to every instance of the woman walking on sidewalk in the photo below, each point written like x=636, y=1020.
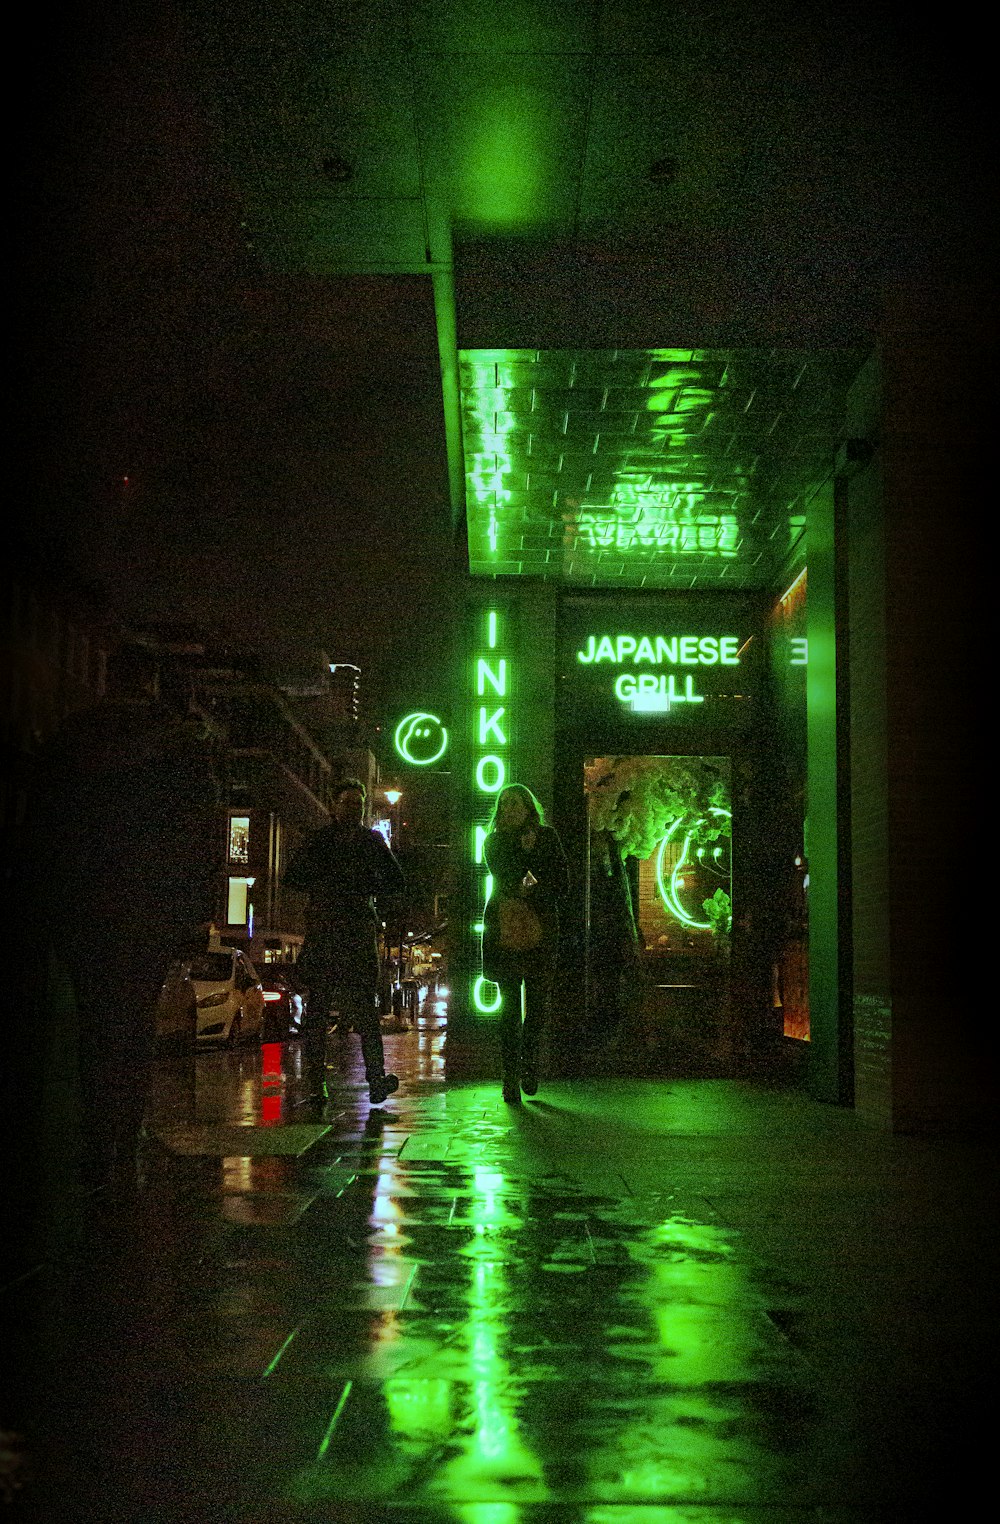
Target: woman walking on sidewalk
x=521, y=929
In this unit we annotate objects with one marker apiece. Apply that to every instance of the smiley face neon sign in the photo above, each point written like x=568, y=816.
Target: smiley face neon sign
x=420, y=738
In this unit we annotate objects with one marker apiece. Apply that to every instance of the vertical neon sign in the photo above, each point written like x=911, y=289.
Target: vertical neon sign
x=490, y=752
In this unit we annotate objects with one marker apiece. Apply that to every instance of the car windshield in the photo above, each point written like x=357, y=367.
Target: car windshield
x=212, y=966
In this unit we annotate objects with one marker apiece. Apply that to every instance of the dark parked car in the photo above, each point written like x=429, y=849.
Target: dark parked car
x=284, y=1003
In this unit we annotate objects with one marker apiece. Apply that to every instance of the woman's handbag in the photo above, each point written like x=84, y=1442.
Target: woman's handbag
x=520, y=928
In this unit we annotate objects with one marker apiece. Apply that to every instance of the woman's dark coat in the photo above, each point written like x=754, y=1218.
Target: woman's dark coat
x=342, y=868
x=509, y=859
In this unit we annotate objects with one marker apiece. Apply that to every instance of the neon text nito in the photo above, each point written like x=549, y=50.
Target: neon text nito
x=660, y=650
x=490, y=752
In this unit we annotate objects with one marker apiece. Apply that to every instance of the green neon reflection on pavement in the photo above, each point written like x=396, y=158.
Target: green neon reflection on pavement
x=506, y=1338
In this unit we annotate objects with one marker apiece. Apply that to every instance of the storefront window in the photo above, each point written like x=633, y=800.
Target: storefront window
x=239, y=838
x=659, y=897
x=239, y=910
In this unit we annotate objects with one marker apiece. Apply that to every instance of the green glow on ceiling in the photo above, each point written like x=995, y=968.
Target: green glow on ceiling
x=636, y=468
x=501, y=175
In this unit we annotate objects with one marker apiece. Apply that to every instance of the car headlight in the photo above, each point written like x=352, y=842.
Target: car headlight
x=219, y=998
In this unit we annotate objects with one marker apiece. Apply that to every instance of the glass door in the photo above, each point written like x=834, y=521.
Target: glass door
x=659, y=909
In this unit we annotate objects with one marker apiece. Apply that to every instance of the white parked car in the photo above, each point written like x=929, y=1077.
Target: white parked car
x=229, y=997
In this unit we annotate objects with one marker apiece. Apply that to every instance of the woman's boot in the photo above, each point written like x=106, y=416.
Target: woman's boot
x=510, y=1069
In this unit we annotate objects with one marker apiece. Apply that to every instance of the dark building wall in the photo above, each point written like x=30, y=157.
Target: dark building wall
x=861, y=490
x=938, y=354
x=911, y=487
x=535, y=755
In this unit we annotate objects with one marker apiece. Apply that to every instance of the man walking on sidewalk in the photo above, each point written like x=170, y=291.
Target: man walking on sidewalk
x=342, y=867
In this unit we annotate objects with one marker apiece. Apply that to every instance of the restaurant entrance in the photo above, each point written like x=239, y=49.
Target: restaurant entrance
x=658, y=912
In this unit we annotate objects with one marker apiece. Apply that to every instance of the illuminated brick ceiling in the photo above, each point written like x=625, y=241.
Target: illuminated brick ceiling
x=644, y=468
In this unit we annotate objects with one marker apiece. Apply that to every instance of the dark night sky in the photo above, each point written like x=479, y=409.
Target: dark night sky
x=281, y=435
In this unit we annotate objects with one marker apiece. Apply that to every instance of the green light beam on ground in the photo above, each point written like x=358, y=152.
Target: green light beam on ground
x=274, y=1363
x=341, y=1405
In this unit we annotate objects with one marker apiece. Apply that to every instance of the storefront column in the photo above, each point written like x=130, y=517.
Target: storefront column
x=827, y=806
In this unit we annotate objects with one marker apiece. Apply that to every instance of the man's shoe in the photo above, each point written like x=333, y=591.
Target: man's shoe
x=529, y=1082
x=511, y=1094
x=380, y=1089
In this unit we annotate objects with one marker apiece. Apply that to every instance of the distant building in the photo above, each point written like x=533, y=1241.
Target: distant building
x=345, y=686
x=278, y=791
x=327, y=700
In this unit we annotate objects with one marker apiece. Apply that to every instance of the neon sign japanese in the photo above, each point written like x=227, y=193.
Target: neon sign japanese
x=646, y=692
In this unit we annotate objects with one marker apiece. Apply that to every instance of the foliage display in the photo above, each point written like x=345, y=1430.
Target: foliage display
x=642, y=800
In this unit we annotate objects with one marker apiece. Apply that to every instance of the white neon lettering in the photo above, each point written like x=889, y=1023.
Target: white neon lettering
x=678, y=650
x=490, y=725
x=647, y=693
x=499, y=771
x=497, y=679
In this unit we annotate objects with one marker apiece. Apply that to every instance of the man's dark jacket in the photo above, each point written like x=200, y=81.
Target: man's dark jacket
x=342, y=869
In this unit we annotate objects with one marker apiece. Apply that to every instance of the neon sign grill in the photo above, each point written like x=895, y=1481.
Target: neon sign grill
x=652, y=692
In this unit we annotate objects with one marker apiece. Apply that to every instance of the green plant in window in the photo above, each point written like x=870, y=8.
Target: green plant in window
x=719, y=914
x=638, y=799
x=677, y=808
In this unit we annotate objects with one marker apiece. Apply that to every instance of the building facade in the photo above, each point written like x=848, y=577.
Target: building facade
x=754, y=682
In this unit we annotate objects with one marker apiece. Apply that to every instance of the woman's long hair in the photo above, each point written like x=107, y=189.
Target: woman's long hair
x=526, y=797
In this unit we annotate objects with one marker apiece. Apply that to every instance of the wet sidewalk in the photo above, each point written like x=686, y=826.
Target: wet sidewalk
x=626, y=1302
